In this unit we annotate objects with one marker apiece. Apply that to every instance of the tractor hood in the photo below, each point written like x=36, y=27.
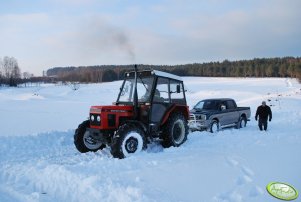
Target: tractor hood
x=111, y=108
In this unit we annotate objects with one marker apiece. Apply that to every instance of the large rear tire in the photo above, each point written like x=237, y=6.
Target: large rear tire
x=84, y=141
x=176, y=131
x=128, y=140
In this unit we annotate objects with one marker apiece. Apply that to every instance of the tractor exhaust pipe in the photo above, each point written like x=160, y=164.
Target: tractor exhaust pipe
x=135, y=101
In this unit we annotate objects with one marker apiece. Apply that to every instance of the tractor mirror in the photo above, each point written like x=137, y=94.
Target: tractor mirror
x=178, y=88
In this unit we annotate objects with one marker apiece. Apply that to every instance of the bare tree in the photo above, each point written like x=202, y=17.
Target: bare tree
x=1, y=72
x=11, y=70
x=1, y=66
x=27, y=75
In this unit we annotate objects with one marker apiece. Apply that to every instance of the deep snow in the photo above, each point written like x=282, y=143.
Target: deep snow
x=39, y=162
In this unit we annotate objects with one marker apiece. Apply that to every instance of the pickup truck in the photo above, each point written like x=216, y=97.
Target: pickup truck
x=215, y=114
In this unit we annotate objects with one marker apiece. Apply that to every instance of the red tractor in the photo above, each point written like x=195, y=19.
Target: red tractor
x=151, y=105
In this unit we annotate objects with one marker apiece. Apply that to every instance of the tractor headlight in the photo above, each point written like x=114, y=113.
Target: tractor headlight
x=98, y=118
x=92, y=118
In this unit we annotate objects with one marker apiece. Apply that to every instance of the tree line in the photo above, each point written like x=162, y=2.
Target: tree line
x=10, y=73
x=258, y=67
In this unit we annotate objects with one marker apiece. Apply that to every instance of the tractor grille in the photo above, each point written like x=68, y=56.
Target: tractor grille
x=111, y=120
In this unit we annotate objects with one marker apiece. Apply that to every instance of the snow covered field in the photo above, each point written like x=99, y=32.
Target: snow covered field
x=39, y=162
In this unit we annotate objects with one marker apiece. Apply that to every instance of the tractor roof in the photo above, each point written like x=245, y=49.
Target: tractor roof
x=168, y=75
x=154, y=72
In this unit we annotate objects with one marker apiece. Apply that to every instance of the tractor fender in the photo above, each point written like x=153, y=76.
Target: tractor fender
x=137, y=123
x=183, y=109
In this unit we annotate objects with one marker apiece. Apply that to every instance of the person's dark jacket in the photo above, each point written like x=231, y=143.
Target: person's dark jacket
x=264, y=112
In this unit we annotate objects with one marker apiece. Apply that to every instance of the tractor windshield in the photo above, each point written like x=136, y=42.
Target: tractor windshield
x=144, y=87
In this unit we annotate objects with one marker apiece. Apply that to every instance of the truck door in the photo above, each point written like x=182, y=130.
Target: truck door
x=232, y=113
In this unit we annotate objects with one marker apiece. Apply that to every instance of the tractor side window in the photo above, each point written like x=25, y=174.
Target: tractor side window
x=176, y=92
x=161, y=93
x=126, y=91
x=144, y=87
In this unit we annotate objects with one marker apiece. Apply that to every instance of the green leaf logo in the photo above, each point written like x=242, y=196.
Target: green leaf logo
x=282, y=191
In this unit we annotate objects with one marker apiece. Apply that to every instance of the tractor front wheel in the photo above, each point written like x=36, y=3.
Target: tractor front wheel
x=128, y=140
x=85, y=141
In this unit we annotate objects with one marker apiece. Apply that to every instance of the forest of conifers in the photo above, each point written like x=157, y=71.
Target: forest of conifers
x=265, y=67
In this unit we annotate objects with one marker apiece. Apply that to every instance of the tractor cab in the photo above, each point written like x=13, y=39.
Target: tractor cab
x=151, y=104
x=157, y=92
x=152, y=86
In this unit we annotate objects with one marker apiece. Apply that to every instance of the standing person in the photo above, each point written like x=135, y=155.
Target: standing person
x=264, y=112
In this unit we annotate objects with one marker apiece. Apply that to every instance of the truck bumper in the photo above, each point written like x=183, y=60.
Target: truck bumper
x=195, y=124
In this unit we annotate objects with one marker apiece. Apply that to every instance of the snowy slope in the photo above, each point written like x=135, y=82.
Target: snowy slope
x=38, y=160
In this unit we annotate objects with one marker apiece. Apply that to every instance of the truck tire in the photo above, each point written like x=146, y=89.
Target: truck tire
x=128, y=140
x=214, y=126
x=83, y=140
x=242, y=123
x=176, y=131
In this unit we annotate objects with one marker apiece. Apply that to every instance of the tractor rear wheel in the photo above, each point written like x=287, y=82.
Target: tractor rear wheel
x=128, y=140
x=84, y=140
x=175, y=132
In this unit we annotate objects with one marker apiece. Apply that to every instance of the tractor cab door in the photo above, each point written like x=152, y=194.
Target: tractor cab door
x=160, y=104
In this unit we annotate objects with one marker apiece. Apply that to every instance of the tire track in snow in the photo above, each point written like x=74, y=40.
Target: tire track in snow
x=243, y=186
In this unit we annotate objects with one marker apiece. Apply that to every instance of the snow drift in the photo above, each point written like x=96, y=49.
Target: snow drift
x=39, y=162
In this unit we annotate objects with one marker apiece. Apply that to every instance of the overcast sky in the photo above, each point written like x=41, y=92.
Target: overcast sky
x=44, y=34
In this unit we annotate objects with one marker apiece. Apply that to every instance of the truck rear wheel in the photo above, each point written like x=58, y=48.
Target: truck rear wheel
x=84, y=140
x=175, y=132
x=128, y=140
x=242, y=123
